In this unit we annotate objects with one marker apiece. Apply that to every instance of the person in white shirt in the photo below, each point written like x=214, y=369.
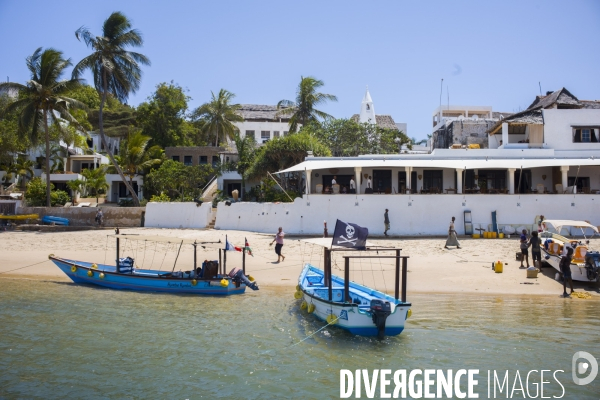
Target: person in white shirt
x=369, y=183
x=452, y=238
x=352, y=185
x=333, y=181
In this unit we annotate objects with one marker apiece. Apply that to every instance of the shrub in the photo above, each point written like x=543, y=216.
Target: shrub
x=35, y=194
x=59, y=198
x=162, y=198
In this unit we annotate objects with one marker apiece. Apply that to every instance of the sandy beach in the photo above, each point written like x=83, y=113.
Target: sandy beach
x=432, y=269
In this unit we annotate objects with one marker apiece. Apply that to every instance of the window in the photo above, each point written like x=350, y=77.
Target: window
x=265, y=135
x=250, y=134
x=175, y=158
x=215, y=161
x=275, y=134
x=285, y=133
x=585, y=135
x=187, y=160
x=203, y=160
x=433, y=179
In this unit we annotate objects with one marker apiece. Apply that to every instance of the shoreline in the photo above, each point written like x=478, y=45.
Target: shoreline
x=431, y=268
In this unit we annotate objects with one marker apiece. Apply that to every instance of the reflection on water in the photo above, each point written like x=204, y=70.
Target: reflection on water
x=77, y=341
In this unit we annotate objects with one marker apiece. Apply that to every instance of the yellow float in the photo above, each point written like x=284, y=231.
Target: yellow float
x=251, y=278
x=194, y=282
x=90, y=273
x=409, y=313
x=73, y=269
x=311, y=308
x=94, y=266
x=331, y=319
x=101, y=275
x=50, y=255
x=297, y=294
x=224, y=283
x=303, y=305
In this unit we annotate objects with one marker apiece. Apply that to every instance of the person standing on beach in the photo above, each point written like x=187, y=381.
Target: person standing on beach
x=386, y=222
x=279, y=239
x=524, y=247
x=536, y=252
x=452, y=238
x=565, y=269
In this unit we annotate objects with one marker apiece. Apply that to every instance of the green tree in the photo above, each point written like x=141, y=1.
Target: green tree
x=246, y=149
x=115, y=69
x=11, y=142
x=217, y=116
x=178, y=181
x=23, y=171
x=135, y=157
x=344, y=137
x=162, y=117
x=95, y=180
x=43, y=98
x=281, y=153
x=35, y=195
x=303, y=110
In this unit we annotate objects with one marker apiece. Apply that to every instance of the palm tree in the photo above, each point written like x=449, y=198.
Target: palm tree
x=218, y=115
x=23, y=170
x=307, y=98
x=246, y=147
x=95, y=179
x=116, y=70
x=42, y=99
x=135, y=157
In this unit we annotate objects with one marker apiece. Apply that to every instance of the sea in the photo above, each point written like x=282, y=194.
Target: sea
x=62, y=340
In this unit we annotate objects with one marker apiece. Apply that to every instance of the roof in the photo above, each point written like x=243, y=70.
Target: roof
x=261, y=112
x=560, y=97
x=383, y=121
x=428, y=161
x=558, y=224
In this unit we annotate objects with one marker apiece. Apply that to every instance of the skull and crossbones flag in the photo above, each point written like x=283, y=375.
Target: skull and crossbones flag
x=349, y=235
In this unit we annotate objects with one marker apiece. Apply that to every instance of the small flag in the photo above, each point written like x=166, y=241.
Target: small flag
x=230, y=247
x=349, y=235
x=247, y=248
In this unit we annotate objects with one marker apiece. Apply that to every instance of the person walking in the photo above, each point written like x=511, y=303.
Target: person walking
x=524, y=249
x=279, y=239
x=99, y=217
x=452, y=238
x=565, y=269
x=386, y=222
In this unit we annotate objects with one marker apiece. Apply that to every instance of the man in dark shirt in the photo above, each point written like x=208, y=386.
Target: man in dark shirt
x=386, y=222
x=565, y=268
x=536, y=252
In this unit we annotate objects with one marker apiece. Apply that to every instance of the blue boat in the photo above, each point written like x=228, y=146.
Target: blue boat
x=349, y=305
x=48, y=219
x=208, y=279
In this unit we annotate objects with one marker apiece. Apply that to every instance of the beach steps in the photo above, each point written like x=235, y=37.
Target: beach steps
x=211, y=224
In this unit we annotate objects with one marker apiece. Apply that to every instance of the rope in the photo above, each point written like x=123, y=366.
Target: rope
x=314, y=333
x=27, y=266
x=581, y=295
x=153, y=254
x=144, y=260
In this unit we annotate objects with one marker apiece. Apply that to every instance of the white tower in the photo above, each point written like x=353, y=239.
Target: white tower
x=367, y=111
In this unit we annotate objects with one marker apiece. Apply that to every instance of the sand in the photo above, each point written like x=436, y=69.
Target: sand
x=432, y=269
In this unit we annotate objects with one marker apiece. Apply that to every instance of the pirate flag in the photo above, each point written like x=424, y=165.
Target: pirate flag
x=350, y=235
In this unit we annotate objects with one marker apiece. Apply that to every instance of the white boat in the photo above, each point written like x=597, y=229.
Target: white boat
x=585, y=265
x=348, y=305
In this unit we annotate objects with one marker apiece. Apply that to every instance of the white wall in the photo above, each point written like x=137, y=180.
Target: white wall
x=558, y=131
x=257, y=127
x=178, y=215
x=412, y=215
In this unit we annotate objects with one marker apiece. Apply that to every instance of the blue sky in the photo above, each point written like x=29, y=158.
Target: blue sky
x=489, y=53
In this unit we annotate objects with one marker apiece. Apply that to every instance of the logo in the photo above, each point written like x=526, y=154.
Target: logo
x=580, y=367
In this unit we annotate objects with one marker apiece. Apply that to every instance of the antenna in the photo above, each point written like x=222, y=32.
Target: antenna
x=441, y=90
x=540, y=83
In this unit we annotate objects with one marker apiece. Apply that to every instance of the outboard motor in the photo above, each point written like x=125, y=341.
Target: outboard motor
x=592, y=265
x=237, y=275
x=380, y=310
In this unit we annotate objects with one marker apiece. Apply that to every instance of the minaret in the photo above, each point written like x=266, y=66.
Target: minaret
x=367, y=111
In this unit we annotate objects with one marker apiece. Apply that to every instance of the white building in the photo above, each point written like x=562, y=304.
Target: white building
x=367, y=115
x=262, y=122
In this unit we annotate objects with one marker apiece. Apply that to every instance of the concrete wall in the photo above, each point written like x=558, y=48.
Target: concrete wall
x=558, y=128
x=178, y=215
x=413, y=215
x=84, y=216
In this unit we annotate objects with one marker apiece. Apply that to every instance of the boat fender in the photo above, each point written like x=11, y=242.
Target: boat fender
x=73, y=269
x=94, y=266
x=251, y=278
x=101, y=275
x=298, y=287
x=303, y=305
x=50, y=255
x=90, y=273
x=380, y=310
x=311, y=308
x=331, y=319
x=409, y=313
x=224, y=283
x=194, y=282
x=297, y=294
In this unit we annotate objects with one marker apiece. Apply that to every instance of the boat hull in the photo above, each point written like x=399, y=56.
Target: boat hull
x=355, y=318
x=144, y=280
x=578, y=270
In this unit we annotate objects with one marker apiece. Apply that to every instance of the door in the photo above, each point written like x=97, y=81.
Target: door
x=382, y=180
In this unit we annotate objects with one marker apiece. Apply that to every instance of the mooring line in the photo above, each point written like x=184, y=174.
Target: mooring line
x=314, y=333
x=27, y=266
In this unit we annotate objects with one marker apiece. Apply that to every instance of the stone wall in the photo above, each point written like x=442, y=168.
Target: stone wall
x=84, y=216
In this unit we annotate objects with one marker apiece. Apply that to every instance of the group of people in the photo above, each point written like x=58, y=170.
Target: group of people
x=351, y=188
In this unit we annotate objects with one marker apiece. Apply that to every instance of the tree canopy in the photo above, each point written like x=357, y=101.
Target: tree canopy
x=178, y=181
x=216, y=117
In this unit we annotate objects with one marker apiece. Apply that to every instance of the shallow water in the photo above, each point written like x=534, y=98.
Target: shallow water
x=63, y=340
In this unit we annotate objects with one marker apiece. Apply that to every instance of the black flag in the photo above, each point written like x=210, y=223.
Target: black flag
x=350, y=235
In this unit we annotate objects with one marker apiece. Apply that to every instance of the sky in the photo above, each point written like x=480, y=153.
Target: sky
x=491, y=53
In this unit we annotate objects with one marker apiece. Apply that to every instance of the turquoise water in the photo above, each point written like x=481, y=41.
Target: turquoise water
x=61, y=340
